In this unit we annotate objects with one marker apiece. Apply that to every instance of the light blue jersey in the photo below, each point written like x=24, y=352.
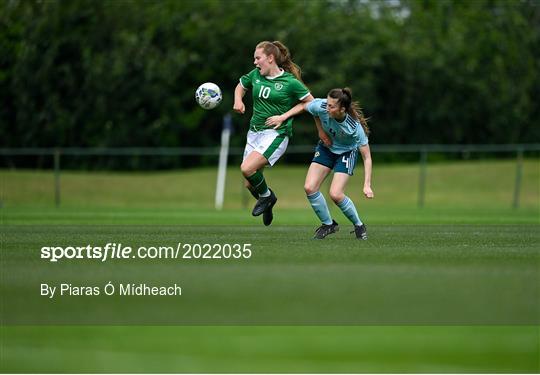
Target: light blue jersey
x=346, y=136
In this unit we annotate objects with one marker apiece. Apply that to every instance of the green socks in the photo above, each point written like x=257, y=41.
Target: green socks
x=258, y=183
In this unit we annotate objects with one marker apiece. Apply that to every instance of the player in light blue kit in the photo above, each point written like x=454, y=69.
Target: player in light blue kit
x=343, y=131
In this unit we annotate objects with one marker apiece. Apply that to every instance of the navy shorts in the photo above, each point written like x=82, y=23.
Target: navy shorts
x=343, y=163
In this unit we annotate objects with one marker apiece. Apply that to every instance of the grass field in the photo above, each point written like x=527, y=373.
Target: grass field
x=451, y=287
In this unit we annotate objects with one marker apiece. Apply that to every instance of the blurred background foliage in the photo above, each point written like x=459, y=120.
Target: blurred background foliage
x=89, y=73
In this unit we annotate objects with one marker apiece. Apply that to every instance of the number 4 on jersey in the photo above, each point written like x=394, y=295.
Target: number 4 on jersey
x=346, y=161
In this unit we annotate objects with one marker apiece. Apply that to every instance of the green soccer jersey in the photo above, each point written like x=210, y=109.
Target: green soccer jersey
x=273, y=96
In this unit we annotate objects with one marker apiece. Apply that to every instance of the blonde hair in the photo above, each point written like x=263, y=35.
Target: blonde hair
x=344, y=98
x=282, y=55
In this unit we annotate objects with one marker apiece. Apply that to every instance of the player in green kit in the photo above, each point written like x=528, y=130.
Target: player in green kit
x=276, y=88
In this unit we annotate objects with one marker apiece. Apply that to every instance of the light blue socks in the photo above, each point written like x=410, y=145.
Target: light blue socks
x=320, y=207
x=348, y=209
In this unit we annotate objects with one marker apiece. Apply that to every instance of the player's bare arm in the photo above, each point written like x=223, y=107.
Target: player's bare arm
x=239, y=93
x=366, y=156
x=276, y=121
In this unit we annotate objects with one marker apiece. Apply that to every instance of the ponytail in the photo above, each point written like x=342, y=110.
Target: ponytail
x=344, y=98
x=282, y=55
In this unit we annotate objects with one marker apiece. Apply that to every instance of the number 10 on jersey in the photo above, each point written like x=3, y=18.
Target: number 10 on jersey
x=264, y=92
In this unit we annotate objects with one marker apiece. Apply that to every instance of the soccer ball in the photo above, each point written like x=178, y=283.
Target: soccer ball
x=208, y=95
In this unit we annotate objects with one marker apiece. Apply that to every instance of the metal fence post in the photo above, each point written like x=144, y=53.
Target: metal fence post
x=422, y=178
x=57, y=177
x=222, y=163
x=519, y=174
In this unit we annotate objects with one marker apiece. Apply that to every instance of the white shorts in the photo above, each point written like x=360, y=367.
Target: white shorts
x=269, y=143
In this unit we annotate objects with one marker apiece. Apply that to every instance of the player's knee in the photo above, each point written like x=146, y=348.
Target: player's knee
x=310, y=189
x=337, y=196
x=246, y=169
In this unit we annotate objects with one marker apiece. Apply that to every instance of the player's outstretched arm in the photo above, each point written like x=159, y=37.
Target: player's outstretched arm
x=276, y=121
x=366, y=156
x=238, y=105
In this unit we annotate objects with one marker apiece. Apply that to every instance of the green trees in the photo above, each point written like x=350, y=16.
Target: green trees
x=123, y=73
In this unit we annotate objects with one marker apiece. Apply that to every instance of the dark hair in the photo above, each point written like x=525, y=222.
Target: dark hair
x=282, y=55
x=344, y=98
